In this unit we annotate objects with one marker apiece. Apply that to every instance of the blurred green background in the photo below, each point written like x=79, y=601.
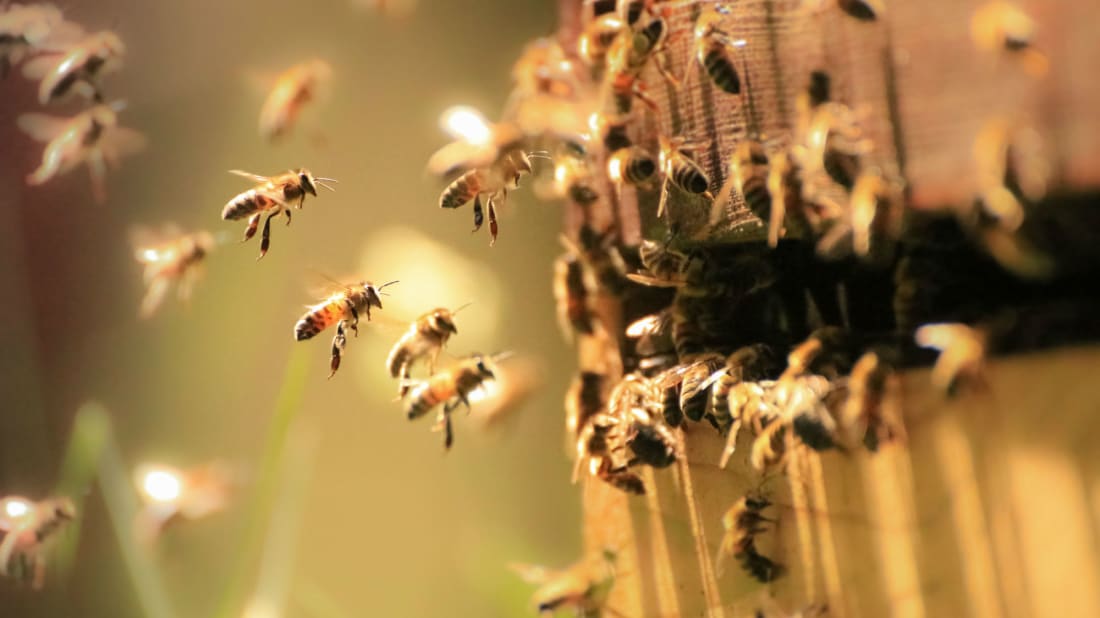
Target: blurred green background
x=389, y=524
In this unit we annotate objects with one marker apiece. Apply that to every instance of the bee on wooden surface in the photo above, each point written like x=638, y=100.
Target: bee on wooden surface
x=802, y=404
x=25, y=29
x=424, y=339
x=748, y=176
x=572, y=283
x=293, y=89
x=749, y=404
x=28, y=528
x=492, y=182
x=713, y=48
x=272, y=195
x=92, y=137
x=597, y=251
x=582, y=587
x=342, y=308
x=864, y=415
x=171, y=494
x=695, y=381
x=681, y=171
x=601, y=448
x=77, y=69
x=962, y=354
x=1003, y=27
x=583, y=400
x=873, y=213
x=742, y=523
x=450, y=387
x=750, y=363
x=770, y=445
x=169, y=256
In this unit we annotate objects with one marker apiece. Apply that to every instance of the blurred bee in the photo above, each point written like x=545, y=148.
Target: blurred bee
x=342, y=308
x=863, y=10
x=544, y=69
x=169, y=256
x=92, y=137
x=824, y=351
x=601, y=445
x=492, y=182
x=497, y=399
x=582, y=587
x=630, y=166
x=572, y=282
x=742, y=523
x=749, y=404
x=630, y=11
x=831, y=144
x=863, y=415
x=77, y=69
x=583, y=400
x=170, y=494
x=1003, y=27
x=802, y=403
x=450, y=387
x=664, y=266
x=873, y=213
x=28, y=527
x=29, y=28
x=962, y=354
x=600, y=256
x=750, y=363
x=694, y=380
x=770, y=445
x=1010, y=165
x=293, y=89
x=272, y=195
x=748, y=176
x=425, y=338
x=712, y=48
x=573, y=179
x=478, y=143
x=622, y=87
x=596, y=38
x=681, y=171
x=642, y=44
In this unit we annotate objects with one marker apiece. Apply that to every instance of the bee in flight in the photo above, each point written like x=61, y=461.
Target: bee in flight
x=341, y=308
x=293, y=89
x=425, y=338
x=170, y=494
x=169, y=256
x=25, y=29
x=92, y=137
x=450, y=387
x=76, y=69
x=27, y=527
x=582, y=587
x=272, y=195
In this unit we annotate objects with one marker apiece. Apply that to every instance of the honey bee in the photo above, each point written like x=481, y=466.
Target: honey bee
x=622, y=87
x=681, y=171
x=29, y=28
x=169, y=256
x=664, y=266
x=770, y=446
x=832, y=141
x=92, y=137
x=631, y=52
x=583, y=400
x=712, y=49
x=742, y=523
x=863, y=10
x=478, y=143
x=293, y=89
x=824, y=350
x=874, y=206
x=450, y=387
x=600, y=256
x=750, y=363
x=492, y=182
x=863, y=414
x=595, y=40
x=802, y=402
x=272, y=195
x=962, y=354
x=1003, y=27
x=425, y=338
x=572, y=282
x=695, y=380
x=573, y=178
x=601, y=444
x=28, y=527
x=342, y=308
x=633, y=166
x=749, y=405
x=749, y=177
x=78, y=69
x=171, y=494
x=582, y=587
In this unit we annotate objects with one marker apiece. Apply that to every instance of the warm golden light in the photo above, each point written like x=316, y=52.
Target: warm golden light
x=465, y=122
x=161, y=484
x=16, y=508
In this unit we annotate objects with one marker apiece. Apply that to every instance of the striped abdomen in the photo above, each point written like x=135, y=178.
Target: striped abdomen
x=318, y=318
x=687, y=175
x=719, y=66
x=246, y=204
x=401, y=355
x=429, y=394
x=635, y=166
x=462, y=190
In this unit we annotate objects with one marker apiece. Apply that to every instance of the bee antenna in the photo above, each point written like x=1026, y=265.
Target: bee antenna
x=461, y=308
x=499, y=356
x=322, y=181
x=385, y=285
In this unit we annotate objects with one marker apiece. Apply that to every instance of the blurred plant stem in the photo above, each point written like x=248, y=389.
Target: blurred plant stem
x=122, y=507
x=264, y=491
x=91, y=430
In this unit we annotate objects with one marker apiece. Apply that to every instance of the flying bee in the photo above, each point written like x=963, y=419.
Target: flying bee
x=748, y=176
x=78, y=69
x=742, y=523
x=492, y=182
x=28, y=28
x=582, y=587
x=424, y=339
x=92, y=137
x=572, y=283
x=450, y=387
x=293, y=89
x=962, y=354
x=342, y=308
x=712, y=49
x=273, y=195
x=171, y=494
x=680, y=170
x=169, y=256
x=573, y=178
x=28, y=527
x=478, y=142
x=1003, y=27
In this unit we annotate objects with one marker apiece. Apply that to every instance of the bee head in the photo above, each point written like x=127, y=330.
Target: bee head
x=483, y=369
x=306, y=180
x=442, y=321
x=64, y=509
x=374, y=294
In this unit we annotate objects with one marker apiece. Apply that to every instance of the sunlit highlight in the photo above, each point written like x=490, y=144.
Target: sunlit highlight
x=464, y=122
x=16, y=508
x=162, y=485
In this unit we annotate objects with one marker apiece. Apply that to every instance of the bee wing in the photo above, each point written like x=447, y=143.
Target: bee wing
x=61, y=37
x=653, y=281
x=652, y=324
x=461, y=156
x=41, y=127
x=150, y=244
x=122, y=142
x=533, y=573
x=40, y=66
x=8, y=519
x=249, y=175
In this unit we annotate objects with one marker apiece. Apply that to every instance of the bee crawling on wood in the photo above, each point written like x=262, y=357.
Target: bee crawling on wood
x=742, y=523
x=272, y=195
x=28, y=528
x=424, y=339
x=582, y=587
x=962, y=354
x=169, y=256
x=451, y=387
x=573, y=283
x=870, y=413
x=343, y=308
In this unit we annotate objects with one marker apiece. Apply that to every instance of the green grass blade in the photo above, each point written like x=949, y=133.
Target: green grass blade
x=91, y=430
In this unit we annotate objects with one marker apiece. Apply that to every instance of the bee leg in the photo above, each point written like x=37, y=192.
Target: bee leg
x=448, y=429
x=465, y=401
x=492, y=222
x=287, y=212
x=97, y=170
x=731, y=444
x=265, y=238
x=253, y=225
x=479, y=214
x=355, y=317
x=662, y=205
x=338, y=343
x=403, y=380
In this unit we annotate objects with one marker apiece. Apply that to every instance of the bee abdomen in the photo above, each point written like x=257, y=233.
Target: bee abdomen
x=462, y=190
x=244, y=205
x=399, y=357
x=755, y=192
x=421, y=400
x=639, y=169
x=310, y=324
x=689, y=177
x=720, y=68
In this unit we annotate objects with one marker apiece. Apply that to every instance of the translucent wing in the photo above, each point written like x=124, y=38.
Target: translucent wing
x=653, y=281
x=122, y=142
x=38, y=67
x=152, y=245
x=42, y=127
x=249, y=175
x=460, y=156
x=533, y=573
